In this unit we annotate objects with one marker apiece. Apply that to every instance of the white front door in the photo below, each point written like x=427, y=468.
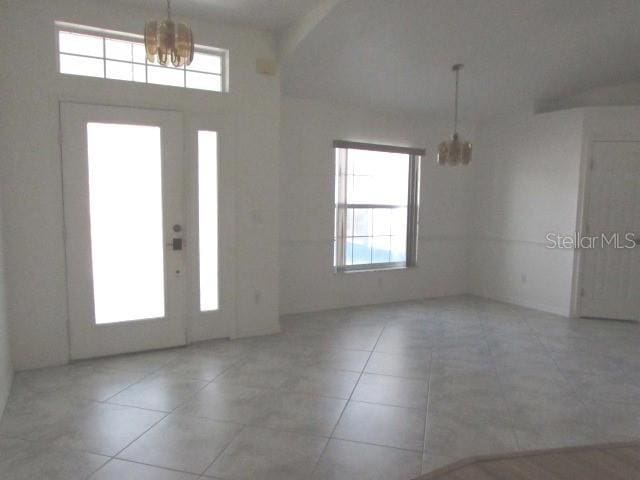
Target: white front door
x=611, y=275
x=141, y=229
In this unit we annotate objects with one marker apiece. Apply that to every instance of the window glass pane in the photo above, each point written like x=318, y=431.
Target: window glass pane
x=119, y=70
x=362, y=190
x=362, y=222
x=204, y=62
x=399, y=221
x=139, y=73
x=80, y=44
x=378, y=177
x=88, y=67
x=399, y=249
x=381, y=249
x=349, y=228
x=349, y=252
x=139, y=53
x=204, y=81
x=125, y=194
x=381, y=221
x=166, y=76
x=399, y=235
x=118, y=49
x=361, y=250
x=208, y=218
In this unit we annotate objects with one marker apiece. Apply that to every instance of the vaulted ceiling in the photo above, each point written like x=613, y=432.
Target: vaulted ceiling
x=397, y=54
x=269, y=14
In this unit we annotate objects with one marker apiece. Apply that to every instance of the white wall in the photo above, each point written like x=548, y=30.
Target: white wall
x=526, y=175
x=31, y=175
x=307, y=279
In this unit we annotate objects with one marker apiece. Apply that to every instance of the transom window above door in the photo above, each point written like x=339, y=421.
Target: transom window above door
x=93, y=52
x=376, y=206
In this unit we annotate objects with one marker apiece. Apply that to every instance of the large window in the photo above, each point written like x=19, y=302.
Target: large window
x=93, y=52
x=376, y=206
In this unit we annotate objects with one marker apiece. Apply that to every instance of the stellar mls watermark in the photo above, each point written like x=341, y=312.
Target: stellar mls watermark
x=617, y=241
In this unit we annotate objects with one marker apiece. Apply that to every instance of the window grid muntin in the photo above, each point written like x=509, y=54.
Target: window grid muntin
x=133, y=39
x=342, y=262
x=372, y=236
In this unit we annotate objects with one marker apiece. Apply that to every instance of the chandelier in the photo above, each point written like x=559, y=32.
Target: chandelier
x=168, y=41
x=455, y=151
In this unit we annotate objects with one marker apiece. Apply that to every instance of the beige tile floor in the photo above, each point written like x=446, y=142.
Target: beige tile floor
x=382, y=392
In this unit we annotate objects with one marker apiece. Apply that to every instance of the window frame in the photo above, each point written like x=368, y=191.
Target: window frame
x=107, y=34
x=340, y=149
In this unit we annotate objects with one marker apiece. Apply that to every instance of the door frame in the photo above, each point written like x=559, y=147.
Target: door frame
x=197, y=326
x=220, y=323
x=607, y=124
x=87, y=338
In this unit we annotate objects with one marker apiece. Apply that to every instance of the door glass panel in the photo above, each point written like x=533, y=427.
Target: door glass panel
x=125, y=194
x=208, y=219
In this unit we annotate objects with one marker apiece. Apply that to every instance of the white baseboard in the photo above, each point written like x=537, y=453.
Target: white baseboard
x=526, y=303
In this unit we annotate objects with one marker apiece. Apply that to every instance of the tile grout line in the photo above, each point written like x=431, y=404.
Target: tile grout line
x=109, y=459
x=550, y=354
x=144, y=377
x=426, y=420
x=206, y=383
x=167, y=414
x=226, y=447
x=572, y=387
x=135, y=462
x=141, y=435
x=346, y=404
x=501, y=387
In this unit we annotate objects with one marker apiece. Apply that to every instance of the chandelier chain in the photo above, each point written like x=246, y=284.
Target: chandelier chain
x=456, y=68
x=455, y=151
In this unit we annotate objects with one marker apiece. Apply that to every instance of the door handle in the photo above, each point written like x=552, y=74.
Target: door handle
x=176, y=243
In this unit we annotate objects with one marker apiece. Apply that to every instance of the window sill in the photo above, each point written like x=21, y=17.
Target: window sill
x=374, y=269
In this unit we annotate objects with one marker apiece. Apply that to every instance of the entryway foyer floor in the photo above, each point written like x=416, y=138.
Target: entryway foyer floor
x=380, y=392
